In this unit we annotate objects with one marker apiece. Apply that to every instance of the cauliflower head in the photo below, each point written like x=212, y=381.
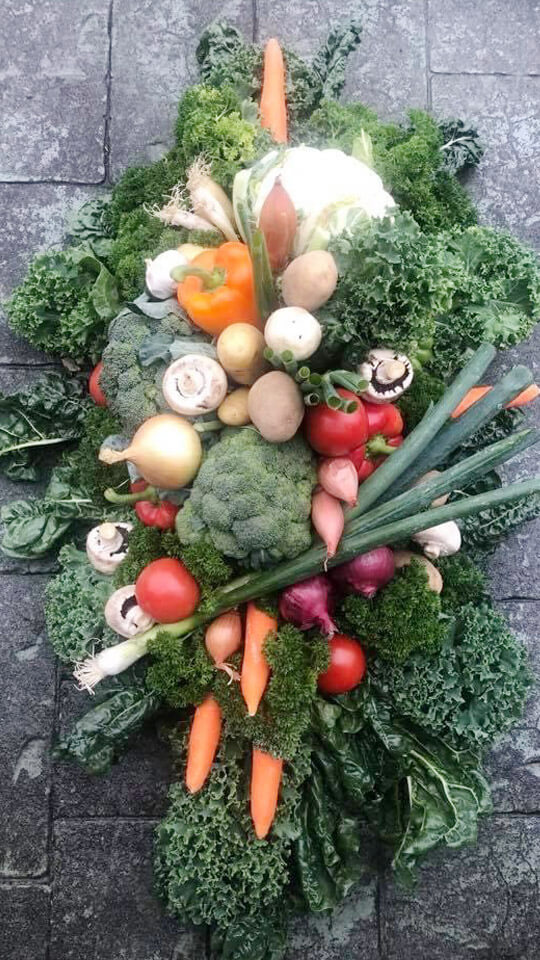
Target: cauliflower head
x=252, y=498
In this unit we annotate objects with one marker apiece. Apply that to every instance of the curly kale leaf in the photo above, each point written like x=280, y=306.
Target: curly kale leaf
x=252, y=498
x=203, y=834
x=74, y=606
x=63, y=304
x=39, y=419
x=225, y=58
x=463, y=583
x=471, y=690
x=404, y=617
x=482, y=532
x=394, y=280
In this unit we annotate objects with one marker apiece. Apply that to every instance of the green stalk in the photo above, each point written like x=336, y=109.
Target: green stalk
x=419, y=438
x=416, y=498
x=465, y=426
x=262, y=274
x=149, y=493
x=251, y=586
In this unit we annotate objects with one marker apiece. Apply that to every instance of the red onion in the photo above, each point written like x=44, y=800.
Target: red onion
x=367, y=573
x=308, y=604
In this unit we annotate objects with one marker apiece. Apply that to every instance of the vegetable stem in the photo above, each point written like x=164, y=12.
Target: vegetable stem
x=149, y=493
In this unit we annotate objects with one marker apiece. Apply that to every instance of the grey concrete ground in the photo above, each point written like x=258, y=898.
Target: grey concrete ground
x=86, y=88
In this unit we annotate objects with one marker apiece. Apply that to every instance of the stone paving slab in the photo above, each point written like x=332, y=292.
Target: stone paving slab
x=33, y=220
x=24, y=921
x=54, y=91
x=136, y=786
x=102, y=902
x=513, y=767
x=153, y=61
x=387, y=72
x=493, y=36
x=506, y=110
x=480, y=903
x=26, y=721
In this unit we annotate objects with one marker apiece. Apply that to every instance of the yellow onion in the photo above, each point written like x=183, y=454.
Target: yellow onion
x=166, y=451
x=223, y=638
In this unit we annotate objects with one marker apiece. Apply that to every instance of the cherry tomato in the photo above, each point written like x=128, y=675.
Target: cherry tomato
x=167, y=591
x=94, y=388
x=347, y=665
x=334, y=433
x=161, y=515
x=383, y=418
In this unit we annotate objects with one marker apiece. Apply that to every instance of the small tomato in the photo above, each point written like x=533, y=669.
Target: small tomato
x=347, y=665
x=94, y=388
x=166, y=590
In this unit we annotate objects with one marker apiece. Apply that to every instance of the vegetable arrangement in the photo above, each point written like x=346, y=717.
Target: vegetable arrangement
x=284, y=461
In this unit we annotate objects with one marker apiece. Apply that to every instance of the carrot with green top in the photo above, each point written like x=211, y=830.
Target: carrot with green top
x=255, y=669
x=203, y=743
x=273, y=100
x=266, y=772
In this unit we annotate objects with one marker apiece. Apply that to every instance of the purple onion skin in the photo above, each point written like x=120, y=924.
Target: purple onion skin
x=366, y=574
x=308, y=604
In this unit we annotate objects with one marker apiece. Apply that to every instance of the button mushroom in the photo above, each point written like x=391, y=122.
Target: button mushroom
x=194, y=384
x=107, y=544
x=440, y=541
x=124, y=615
x=388, y=373
x=294, y=329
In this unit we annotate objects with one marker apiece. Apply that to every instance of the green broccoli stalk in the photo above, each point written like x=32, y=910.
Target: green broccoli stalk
x=252, y=498
x=405, y=616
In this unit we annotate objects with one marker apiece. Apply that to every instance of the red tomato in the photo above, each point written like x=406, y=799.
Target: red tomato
x=94, y=388
x=347, y=665
x=334, y=433
x=383, y=418
x=167, y=591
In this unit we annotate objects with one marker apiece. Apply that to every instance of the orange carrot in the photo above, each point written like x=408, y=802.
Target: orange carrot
x=255, y=669
x=203, y=743
x=476, y=393
x=273, y=102
x=266, y=773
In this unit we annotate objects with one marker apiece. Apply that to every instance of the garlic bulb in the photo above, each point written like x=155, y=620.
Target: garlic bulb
x=440, y=541
x=158, y=273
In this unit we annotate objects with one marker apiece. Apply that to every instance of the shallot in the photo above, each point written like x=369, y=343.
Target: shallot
x=328, y=520
x=223, y=637
x=338, y=476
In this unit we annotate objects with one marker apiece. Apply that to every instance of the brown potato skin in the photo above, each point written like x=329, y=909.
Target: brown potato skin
x=234, y=409
x=240, y=349
x=309, y=280
x=276, y=406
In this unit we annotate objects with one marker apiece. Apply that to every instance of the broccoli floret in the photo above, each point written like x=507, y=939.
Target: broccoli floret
x=405, y=616
x=252, y=498
x=133, y=392
x=423, y=391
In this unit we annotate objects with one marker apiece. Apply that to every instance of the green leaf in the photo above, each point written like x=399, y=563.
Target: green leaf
x=461, y=147
x=104, y=295
x=47, y=414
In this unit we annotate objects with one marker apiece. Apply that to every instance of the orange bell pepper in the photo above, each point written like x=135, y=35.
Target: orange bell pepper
x=216, y=289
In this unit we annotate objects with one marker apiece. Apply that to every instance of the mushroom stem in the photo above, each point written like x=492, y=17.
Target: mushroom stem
x=108, y=532
x=390, y=370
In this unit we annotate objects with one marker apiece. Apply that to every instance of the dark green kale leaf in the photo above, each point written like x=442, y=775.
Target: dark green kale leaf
x=74, y=606
x=37, y=419
x=461, y=148
x=482, y=532
x=224, y=57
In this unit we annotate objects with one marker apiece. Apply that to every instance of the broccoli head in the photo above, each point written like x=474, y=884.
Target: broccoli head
x=253, y=498
x=133, y=392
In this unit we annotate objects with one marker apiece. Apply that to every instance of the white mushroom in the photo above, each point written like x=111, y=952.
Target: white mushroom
x=194, y=384
x=388, y=373
x=440, y=541
x=124, y=615
x=294, y=329
x=158, y=278
x=107, y=545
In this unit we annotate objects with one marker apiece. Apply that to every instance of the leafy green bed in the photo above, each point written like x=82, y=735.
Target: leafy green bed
x=401, y=756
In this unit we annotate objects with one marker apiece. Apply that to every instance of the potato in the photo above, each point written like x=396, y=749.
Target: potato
x=234, y=409
x=276, y=406
x=240, y=350
x=309, y=280
x=402, y=558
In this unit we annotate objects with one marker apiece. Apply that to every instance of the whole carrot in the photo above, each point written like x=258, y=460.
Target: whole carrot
x=203, y=743
x=273, y=102
x=266, y=772
x=255, y=669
